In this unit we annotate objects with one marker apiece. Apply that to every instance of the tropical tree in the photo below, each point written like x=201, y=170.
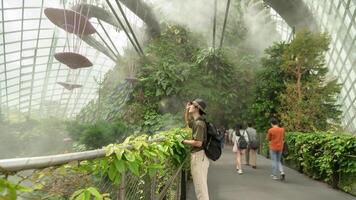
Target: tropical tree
x=269, y=84
x=309, y=101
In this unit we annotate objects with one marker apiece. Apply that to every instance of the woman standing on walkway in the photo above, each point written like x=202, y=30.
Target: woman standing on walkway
x=199, y=163
x=239, y=147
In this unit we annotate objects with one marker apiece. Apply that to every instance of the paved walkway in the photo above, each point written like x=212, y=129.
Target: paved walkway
x=256, y=184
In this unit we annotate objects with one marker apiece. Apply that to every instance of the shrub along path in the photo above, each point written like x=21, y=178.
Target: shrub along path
x=256, y=184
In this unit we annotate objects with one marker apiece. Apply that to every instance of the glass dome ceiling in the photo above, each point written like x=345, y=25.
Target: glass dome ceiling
x=32, y=80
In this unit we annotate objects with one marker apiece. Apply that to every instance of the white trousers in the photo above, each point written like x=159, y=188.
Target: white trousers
x=199, y=165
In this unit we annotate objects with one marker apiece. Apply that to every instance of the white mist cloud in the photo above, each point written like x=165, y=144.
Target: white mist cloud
x=197, y=16
x=261, y=30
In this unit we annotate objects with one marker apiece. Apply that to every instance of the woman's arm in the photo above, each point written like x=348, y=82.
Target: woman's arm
x=195, y=143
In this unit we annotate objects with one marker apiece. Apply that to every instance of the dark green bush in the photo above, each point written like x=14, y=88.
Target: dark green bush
x=98, y=134
x=324, y=156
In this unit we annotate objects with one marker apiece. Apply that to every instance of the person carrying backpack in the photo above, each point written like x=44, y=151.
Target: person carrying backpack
x=240, y=145
x=253, y=145
x=199, y=161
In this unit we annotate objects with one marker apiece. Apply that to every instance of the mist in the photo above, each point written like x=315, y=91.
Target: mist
x=198, y=16
x=29, y=137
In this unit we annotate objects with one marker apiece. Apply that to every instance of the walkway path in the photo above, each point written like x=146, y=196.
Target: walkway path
x=256, y=184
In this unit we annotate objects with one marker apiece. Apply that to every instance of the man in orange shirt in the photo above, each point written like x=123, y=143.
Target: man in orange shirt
x=275, y=137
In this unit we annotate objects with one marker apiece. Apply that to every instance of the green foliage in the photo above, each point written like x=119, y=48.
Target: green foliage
x=155, y=122
x=269, y=85
x=89, y=193
x=144, y=158
x=140, y=156
x=323, y=155
x=309, y=100
x=292, y=86
x=166, y=65
x=98, y=134
x=177, y=68
x=8, y=190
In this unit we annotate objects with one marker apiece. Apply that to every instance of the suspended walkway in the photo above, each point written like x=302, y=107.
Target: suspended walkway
x=256, y=184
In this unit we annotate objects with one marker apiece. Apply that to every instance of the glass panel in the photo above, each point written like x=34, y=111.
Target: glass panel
x=12, y=90
x=353, y=75
x=30, y=24
x=12, y=4
x=29, y=44
x=28, y=61
x=13, y=73
x=44, y=42
x=12, y=37
x=13, y=14
x=347, y=19
x=10, y=57
x=30, y=35
x=12, y=81
x=33, y=13
x=342, y=9
x=43, y=51
x=25, y=70
x=14, y=46
x=12, y=26
x=26, y=85
x=46, y=33
x=28, y=53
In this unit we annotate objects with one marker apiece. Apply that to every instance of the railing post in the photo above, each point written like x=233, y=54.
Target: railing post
x=121, y=193
x=153, y=187
x=335, y=177
x=178, y=187
x=183, y=185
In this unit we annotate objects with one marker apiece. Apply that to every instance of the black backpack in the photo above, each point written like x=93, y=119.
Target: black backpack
x=285, y=151
x=212, y=145
x=242, y=143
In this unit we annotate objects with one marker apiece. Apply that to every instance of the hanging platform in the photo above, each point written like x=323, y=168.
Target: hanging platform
x=70, y=21
x=69, y=86
x=73, y=60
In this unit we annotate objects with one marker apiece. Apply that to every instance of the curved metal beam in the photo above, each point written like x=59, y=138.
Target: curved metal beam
x=295, y=13
x=91, y=41
x=97, y=12
x=143, y=11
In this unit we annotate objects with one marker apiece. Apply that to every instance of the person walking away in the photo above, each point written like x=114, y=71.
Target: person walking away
x=275, y=137
x=252, y=147
x=241, y=146
x=232, y=136
x=199, y=161
x=222, y=135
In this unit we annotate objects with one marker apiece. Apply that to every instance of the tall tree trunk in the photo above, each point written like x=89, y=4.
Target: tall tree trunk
x=299, y=92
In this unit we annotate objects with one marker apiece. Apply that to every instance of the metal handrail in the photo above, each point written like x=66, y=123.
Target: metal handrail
x=20, y=164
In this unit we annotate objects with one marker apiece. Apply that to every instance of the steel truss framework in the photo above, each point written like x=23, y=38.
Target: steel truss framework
x=28, y=71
